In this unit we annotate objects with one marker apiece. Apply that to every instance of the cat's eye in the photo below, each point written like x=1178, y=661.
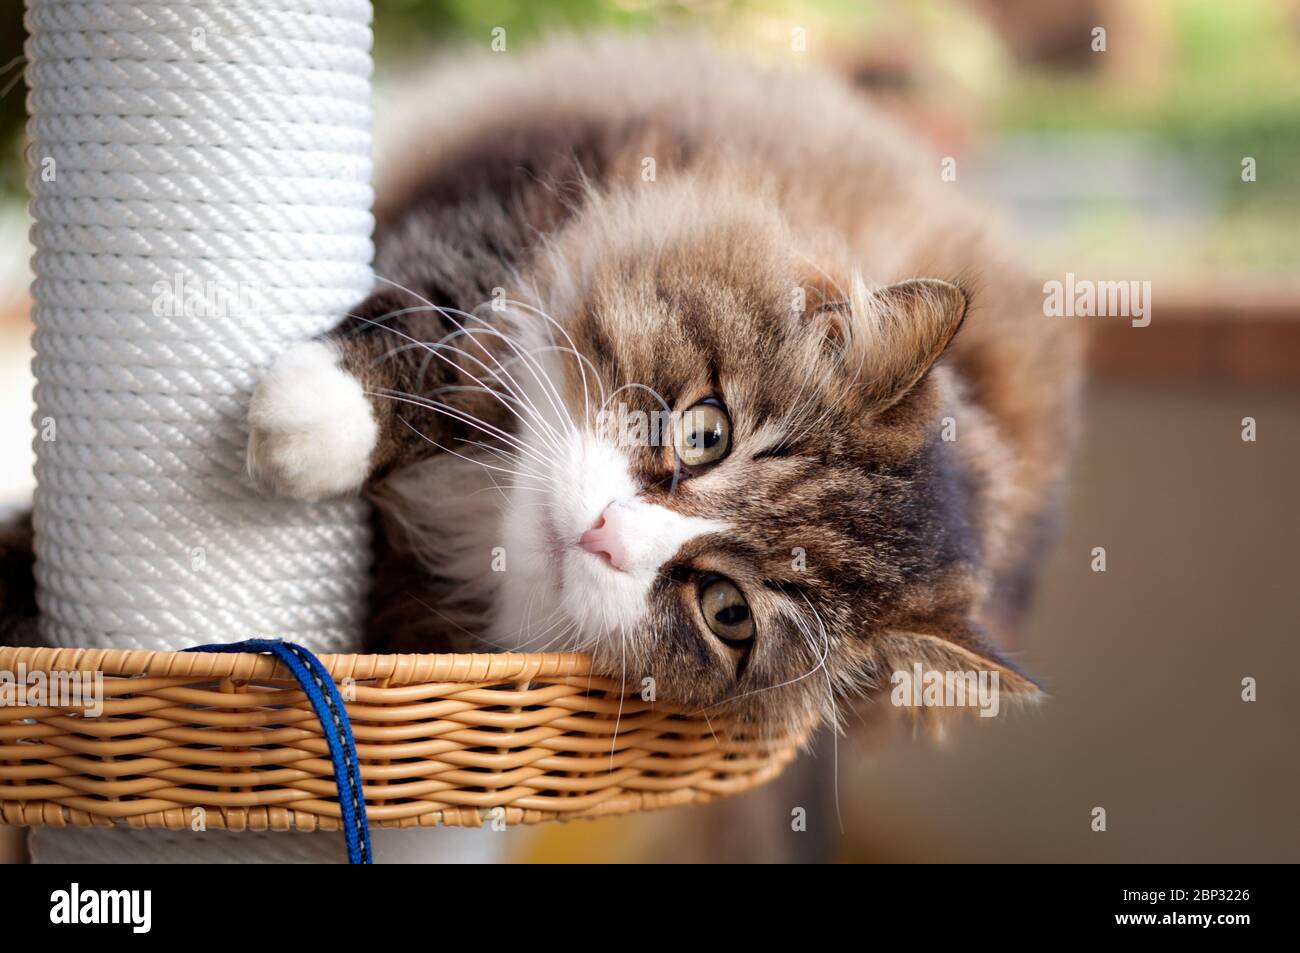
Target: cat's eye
x=725, y=610
x=703, y=434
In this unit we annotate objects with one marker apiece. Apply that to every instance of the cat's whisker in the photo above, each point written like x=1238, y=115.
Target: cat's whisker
x=561, y=349
x=463, y=417
x=412, y=343
x=533, y=504
x=442, y=344
x=838, y=722
x=428, y=358
x=401, y=287
x=556, y=619
x=831, y=715
x=622, y=694
x=445, y=313
x=528, y=485
x=440, y=446
x=543, y=379
x=462, y=456
x=441, y=615
x=436, y=349
x=433, y=350
x=584, y=362
x=397, y=313
x=524, y=487
x=531, y=644
x=563, y=415
x=559, y=641
x=555, y=623
x=446, y=340
x=534, y=366
x=551, y=440
x=550, y=481
x=530, y=481
x=519, y=469
x=550, y=325
x=480, y=463
x=526, y=619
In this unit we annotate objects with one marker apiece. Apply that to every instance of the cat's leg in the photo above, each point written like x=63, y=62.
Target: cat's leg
x=335, y=412
x=312, y=431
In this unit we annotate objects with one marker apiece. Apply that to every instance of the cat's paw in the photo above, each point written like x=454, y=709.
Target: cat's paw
x=311, y=428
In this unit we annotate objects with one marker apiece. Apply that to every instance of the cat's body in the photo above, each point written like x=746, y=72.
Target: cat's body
x=695, y=228
x=714, y=239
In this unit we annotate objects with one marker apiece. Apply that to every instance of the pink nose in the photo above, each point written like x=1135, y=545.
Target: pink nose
x=605, y=538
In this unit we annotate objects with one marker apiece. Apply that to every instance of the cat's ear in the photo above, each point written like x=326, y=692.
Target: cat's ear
x=889, y=337
x=935, y=677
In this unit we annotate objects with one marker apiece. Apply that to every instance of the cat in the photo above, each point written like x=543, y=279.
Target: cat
x=861, y=421
x=653, y=226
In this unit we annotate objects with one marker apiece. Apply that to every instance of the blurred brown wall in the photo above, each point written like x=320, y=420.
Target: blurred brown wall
x=1144, y=661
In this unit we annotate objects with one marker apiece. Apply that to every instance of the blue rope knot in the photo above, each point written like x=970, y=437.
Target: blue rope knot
x=328, y=705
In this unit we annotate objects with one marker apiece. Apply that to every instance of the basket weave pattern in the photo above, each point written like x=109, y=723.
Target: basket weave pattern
x=443, y=739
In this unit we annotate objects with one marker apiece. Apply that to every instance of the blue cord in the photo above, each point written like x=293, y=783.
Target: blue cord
x=328, y=705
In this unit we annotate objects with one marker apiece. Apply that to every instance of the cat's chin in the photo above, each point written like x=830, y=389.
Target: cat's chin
x=602, y=602
x=556, y=596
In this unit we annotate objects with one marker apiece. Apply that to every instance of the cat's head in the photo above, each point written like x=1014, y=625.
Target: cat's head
x=741, y=489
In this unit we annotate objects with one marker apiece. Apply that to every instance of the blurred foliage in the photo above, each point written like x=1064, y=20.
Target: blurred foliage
x=402, y=26
x=405, y=28
x=1212, y=80
x=1229, y=87
x=407, y=25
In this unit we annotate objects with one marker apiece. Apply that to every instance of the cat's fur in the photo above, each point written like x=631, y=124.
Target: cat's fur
x=661, y=209
x=662, y=202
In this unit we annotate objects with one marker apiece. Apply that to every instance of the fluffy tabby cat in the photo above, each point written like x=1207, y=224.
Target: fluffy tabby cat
x=619, y=230
x=588, y=234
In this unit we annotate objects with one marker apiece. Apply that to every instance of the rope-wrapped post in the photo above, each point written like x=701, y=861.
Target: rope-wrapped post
x=200, y=174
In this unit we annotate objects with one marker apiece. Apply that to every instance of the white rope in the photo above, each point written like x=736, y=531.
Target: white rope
x=222, y=148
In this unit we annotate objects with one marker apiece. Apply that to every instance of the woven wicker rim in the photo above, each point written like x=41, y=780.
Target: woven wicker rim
x=459, y=740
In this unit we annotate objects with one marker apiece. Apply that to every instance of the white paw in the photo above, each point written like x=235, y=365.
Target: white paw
x=311, y=429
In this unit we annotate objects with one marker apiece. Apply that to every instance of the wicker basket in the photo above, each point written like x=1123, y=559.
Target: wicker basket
x=443, y=739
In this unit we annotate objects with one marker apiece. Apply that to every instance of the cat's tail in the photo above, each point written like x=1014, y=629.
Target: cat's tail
x=17, y=580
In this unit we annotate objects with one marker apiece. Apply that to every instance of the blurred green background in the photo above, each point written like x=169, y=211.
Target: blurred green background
x=1134, y=151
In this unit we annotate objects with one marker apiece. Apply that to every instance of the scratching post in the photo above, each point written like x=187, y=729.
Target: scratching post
x=201, y=192
x=200, y=180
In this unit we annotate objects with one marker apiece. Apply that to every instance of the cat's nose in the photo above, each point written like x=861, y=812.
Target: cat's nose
x=606, y=538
